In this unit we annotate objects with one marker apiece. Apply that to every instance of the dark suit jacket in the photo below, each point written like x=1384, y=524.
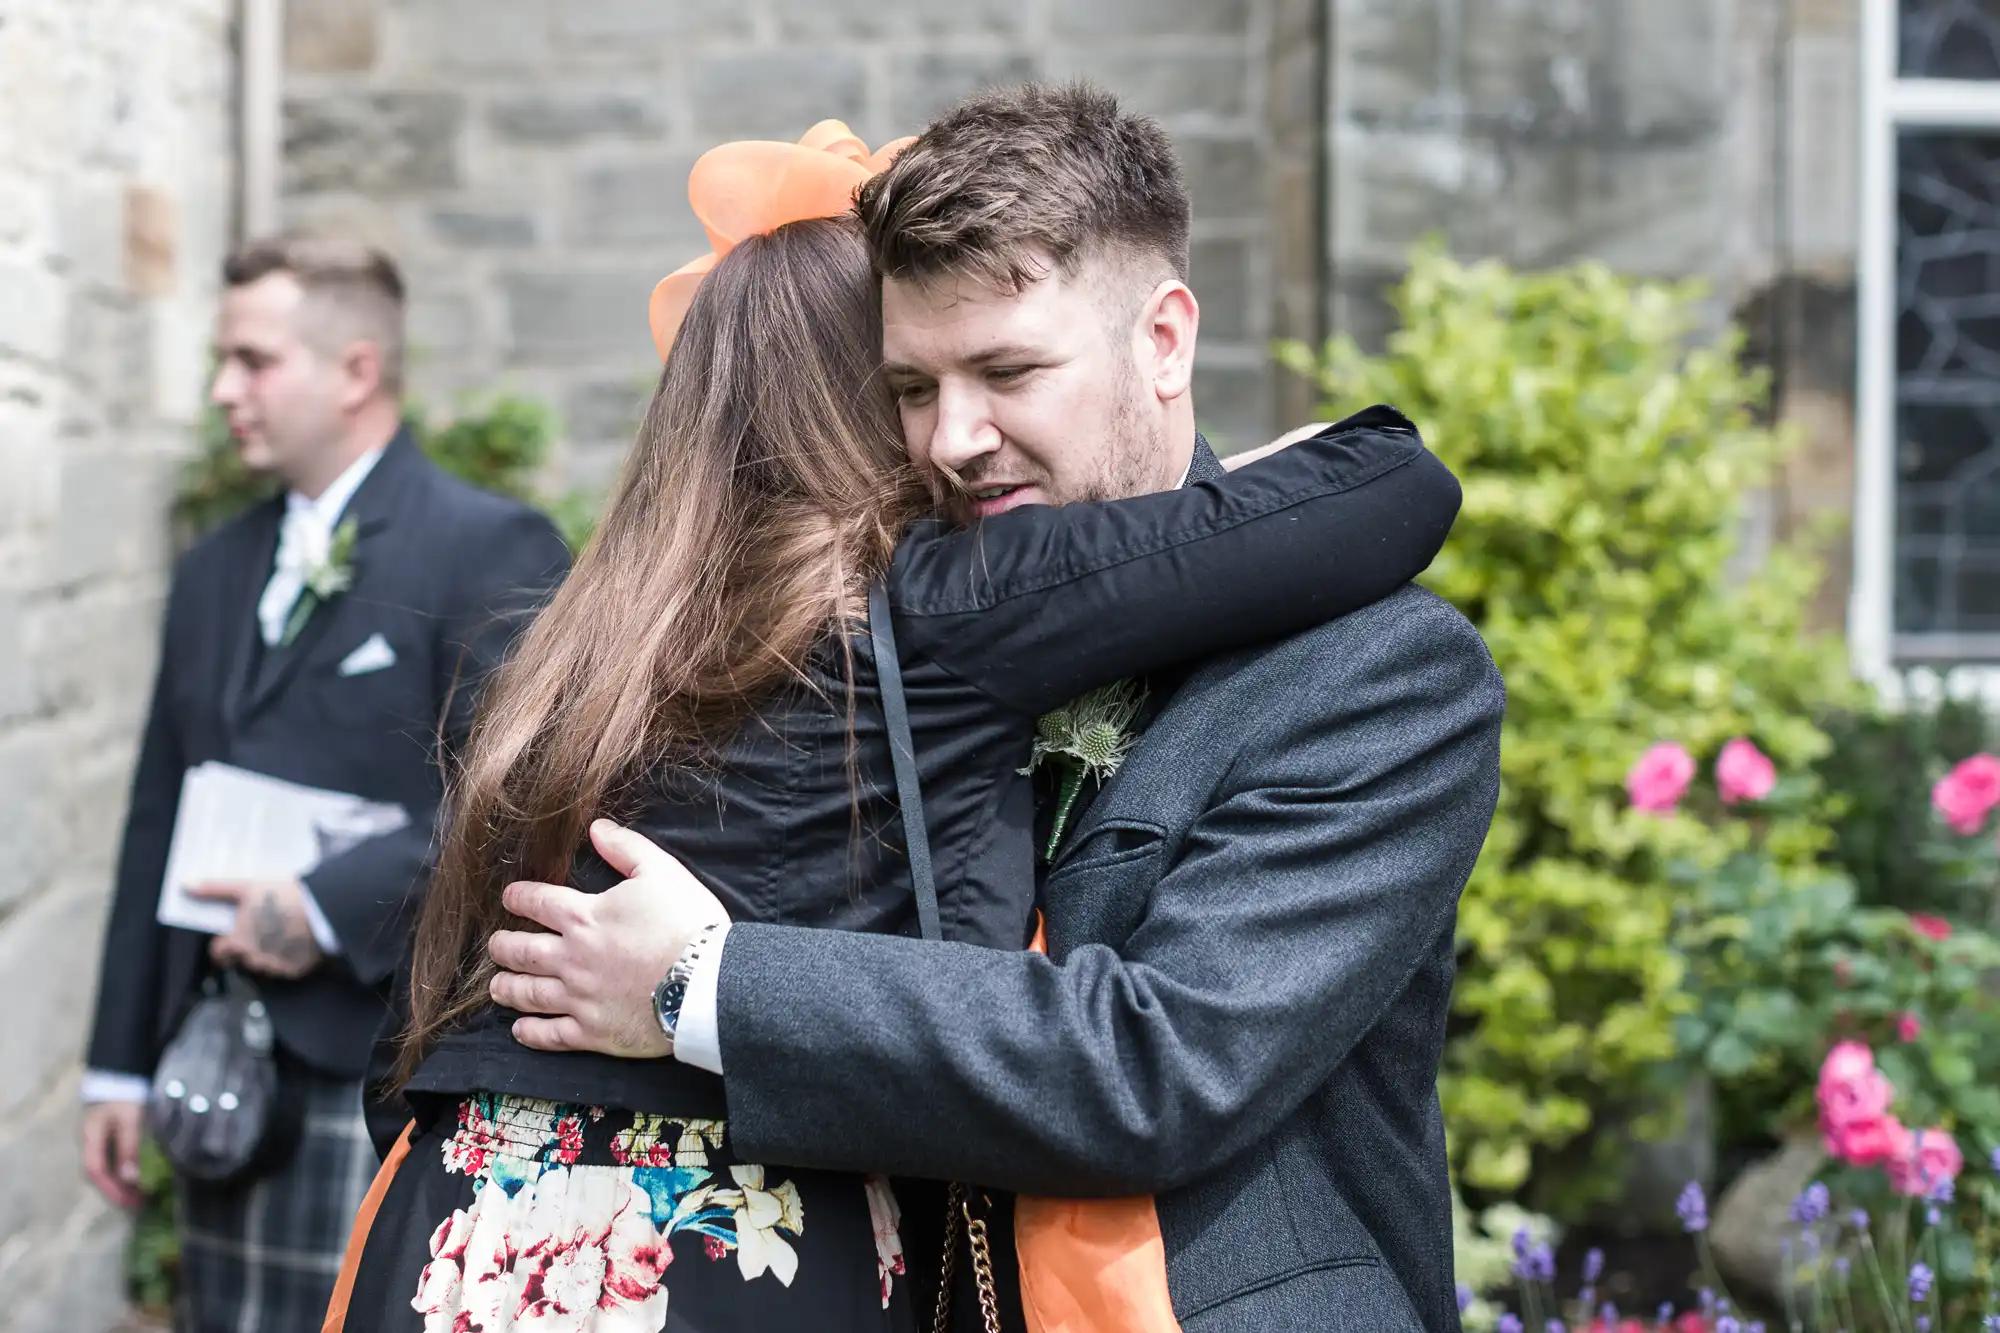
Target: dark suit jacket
x=446, y=574
x=1244, y=1005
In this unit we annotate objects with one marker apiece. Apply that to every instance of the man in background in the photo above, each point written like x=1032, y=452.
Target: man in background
x=324, y=638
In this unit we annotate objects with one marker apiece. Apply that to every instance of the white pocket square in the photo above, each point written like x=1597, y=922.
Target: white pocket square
x=374, y=654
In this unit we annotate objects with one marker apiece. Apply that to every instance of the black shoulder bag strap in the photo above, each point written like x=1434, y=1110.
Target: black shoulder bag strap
x=903, y=753
x=959, y=1218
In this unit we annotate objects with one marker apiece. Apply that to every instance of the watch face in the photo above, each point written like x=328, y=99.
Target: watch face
x=667, y=1003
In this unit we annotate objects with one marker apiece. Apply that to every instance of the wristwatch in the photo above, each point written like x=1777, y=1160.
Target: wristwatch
x=671, y=993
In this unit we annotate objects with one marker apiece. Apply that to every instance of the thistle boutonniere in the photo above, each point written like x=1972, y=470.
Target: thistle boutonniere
x=1086, y=739
x=326, y=573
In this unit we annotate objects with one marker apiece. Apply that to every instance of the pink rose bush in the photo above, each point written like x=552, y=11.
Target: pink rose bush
x=1967, y=794
x=1661, y=777
x=1936, y=927
x=1858, y=1128
x=1924, y=1161
x=1744, y=773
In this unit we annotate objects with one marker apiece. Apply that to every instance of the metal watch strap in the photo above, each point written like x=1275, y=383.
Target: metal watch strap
x=671, y=993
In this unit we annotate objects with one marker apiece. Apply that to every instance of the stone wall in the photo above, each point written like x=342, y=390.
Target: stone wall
x=1712, y=139
x=114, y=187
x=528, y=159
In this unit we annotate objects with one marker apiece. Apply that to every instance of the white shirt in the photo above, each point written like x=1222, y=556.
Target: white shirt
x=698, y=1035
x=303, y=541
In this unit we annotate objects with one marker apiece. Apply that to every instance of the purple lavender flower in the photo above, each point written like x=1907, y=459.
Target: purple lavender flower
x=1556, y=1326
x=1522, y=1242
x=1728, y=1324
x=1812, y=1205
x=1859, y=1219
x=1542, y=1265
x=1921, y=1278
x=1666, y=1312
x=1608, y=1313
x=1944, y=1191
x=1464, y=1298
x=1923, y=1323
x=1754, y=1326
x=1593, y=1266
x=1840, y=1266
x=1509, y=1323
x=1693, y=1209
x=1995, y=1160
x=1991, y=1324
x=1707, y=1298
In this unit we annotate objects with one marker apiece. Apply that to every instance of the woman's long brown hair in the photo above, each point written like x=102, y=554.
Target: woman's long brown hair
x=767, y=487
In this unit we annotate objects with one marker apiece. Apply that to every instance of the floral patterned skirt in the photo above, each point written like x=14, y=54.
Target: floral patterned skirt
x=530, y=1215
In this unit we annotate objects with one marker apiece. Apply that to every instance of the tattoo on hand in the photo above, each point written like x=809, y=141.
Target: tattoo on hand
x=278, y=937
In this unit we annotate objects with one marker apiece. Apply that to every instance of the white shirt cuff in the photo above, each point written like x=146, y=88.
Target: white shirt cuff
x=697, y=1039
x=322, y=929
x=101, y=1085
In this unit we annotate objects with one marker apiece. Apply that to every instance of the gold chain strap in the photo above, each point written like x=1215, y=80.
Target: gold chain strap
x=948, y=1270
x=959, y=1208
x=982, y=1268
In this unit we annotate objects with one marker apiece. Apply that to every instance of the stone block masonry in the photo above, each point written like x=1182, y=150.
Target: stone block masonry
x=527, y=159
x=116, y=174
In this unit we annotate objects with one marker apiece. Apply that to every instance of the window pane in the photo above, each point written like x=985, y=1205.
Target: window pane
x=1948, y=386
x=1950, y=39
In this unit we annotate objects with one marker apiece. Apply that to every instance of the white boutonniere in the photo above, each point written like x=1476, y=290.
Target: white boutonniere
x=1086, y=740
x=326, y=569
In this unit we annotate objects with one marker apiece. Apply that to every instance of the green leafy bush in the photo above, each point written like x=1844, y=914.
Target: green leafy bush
x=1880, y=770
x=500, y=447
x=1606, y=453
x=153, y=1263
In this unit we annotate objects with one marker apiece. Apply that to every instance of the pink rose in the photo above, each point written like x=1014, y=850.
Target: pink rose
x=1968, y=793
x=1851, y=1088
x=1871, y=1141
x=1662, y=774
x=1744, y=773
x=1908, y=1027
x=1924, y=1160
x=1936, y=927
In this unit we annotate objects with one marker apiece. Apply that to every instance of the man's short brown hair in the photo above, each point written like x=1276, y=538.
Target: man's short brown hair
x=1014, y=178
x=353, y=292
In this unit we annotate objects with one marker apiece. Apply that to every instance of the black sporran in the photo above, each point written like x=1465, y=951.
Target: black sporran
x=221, y=1108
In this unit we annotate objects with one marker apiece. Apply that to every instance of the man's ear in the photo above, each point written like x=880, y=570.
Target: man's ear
x=361, y=374
x=1168, y=323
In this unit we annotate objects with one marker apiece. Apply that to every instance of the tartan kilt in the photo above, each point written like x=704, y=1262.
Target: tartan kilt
x=262, y=1256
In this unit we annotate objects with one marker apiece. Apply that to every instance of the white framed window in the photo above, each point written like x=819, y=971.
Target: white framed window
x=1926, y=590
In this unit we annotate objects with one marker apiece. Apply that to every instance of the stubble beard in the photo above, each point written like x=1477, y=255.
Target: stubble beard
x=1132, y=460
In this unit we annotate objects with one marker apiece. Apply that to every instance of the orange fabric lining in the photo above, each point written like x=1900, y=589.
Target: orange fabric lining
x=1092, y=1265
x=357, y=1239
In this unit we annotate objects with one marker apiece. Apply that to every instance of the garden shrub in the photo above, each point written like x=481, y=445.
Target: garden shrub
x=500, y=446
x=1880, y=770
x=1607, y=451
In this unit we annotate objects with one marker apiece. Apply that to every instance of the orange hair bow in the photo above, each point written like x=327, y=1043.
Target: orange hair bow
x=755, y=186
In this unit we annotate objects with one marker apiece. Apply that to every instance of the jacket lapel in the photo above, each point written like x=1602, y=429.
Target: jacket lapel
x=240, y=598
x=1160, y=687
x=375, y=507
x=1205, y=466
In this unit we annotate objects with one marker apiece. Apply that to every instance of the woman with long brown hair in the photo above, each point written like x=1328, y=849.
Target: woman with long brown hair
x=701, y=678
